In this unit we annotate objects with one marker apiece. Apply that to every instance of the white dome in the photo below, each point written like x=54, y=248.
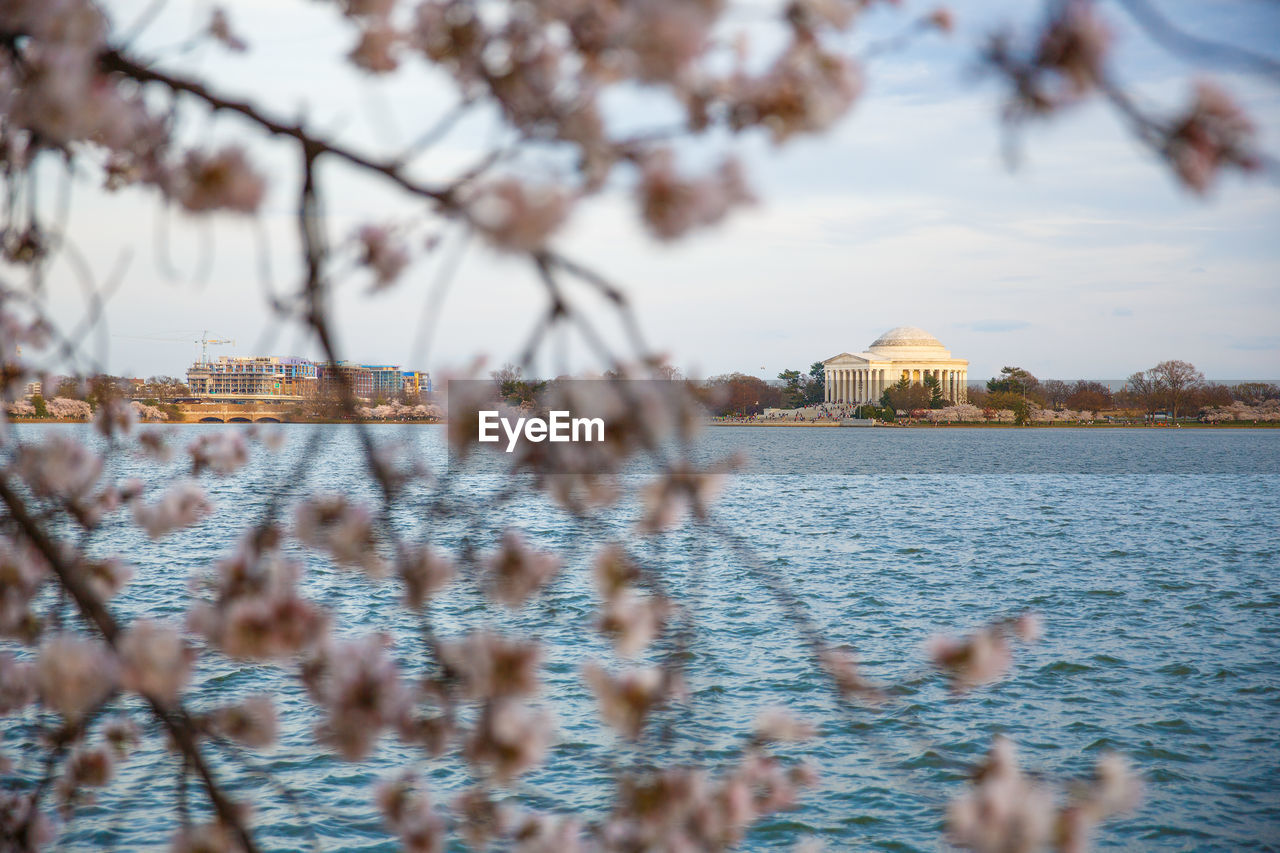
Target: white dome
x=907, y=336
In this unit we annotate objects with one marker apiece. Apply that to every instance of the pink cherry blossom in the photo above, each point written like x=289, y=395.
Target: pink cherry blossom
x=672, y=205
x=632, y=621
x=508, y=739
x=408, y=812
x=222, y=452
x=359, y=689
x=251, y=721
x=488, y=666
x=424, y=573
x=627, y=699
x=156, y=662
x=221, y=181
x=517, y=217
x=59, y=467
x=74, y=674
x=256, y=612
x=342, y=528
x=382, y=253
x=516, y=571
x=220, y=30
x=181, y=506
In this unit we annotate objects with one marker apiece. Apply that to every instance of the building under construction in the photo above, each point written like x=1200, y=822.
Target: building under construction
x=288, y=379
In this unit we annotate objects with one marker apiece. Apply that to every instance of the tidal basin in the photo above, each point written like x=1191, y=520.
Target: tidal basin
x=1151, y=556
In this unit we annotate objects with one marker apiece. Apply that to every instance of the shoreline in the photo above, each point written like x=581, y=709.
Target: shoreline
x=20, y=420
x=982, y=425
x=709, y=423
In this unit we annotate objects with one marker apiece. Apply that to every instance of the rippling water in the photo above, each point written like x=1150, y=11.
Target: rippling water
x=1156, y=573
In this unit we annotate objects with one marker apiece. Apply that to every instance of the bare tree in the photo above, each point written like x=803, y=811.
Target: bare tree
x=1055, y=392
x=1174, y=382
x=1142, y=389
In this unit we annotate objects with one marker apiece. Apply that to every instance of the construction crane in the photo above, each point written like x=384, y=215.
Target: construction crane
x=204, y=342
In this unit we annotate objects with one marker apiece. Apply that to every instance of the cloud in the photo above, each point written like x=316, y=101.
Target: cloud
x=1258, y=344
x=998, y=325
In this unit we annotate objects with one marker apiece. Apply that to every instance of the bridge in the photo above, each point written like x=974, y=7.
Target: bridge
x=233, y=413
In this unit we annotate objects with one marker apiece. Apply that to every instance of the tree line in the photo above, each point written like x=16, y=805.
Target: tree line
x=1174, y=386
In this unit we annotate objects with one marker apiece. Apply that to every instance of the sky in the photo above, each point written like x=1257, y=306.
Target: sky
x=1086, y=260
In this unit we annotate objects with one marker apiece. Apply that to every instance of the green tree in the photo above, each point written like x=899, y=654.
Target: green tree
x=1015, y=380
x=935, y=391
x=37, y=401
x=1014, y=402
x=905, y=396
x=793, y=388
x=816, y=387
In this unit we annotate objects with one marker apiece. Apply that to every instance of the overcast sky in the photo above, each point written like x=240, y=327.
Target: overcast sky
x=1085, y=261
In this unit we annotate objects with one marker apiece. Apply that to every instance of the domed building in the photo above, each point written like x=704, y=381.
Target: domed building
x=904, y=351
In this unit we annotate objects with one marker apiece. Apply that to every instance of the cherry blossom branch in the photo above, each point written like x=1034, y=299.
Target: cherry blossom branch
x=116, y=62
x=174, y=718
x=1196, y=47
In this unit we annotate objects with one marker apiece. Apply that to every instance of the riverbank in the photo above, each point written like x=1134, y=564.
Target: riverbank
x=999, y=425
x=23, y=420
x=718, y=423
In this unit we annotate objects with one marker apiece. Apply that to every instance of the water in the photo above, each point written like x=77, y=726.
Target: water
x=1155, y=571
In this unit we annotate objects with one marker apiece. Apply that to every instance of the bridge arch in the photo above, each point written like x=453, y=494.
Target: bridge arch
x=210, y=419
x=266, y=419
x=238, y=420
